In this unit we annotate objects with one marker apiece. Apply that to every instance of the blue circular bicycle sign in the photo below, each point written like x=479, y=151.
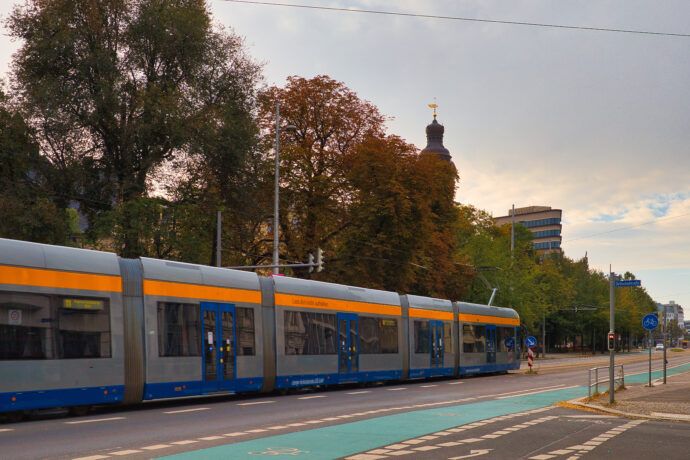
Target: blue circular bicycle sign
x=530, y=342
x=650, y=322
x=510, y=342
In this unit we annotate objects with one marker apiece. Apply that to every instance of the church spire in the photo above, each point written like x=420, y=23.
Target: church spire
x=434, y=138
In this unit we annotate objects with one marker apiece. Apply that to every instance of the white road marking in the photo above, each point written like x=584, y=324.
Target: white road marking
x=185, y=442
x=126, y=452
x=425, y=448
x=210, y=438
x=255, y=403
x=312, y=397
x=6, y=429
x=396, y=389
x=591, y=416
x=313, y=422
x=93, y=457
x=529, y=389
x=258, y=430
x=182, y=411
x=428, y=386
x=666, y=414
x=95, y=420
x=156, y=447
x=279, y=427
x=536, y=392
x=231, y=435
x=358, y=392
x=455, y=383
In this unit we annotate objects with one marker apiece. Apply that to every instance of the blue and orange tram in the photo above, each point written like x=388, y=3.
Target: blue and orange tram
x=81, y=328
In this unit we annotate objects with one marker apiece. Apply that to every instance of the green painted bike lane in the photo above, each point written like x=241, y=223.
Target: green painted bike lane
x=350, y=438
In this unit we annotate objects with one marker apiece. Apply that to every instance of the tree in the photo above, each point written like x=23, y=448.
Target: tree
x=115, y=88
x=331, y=121
x=26, y=197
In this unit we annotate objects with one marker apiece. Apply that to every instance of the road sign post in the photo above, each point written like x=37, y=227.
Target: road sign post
x=530, y=342
x=650, y=322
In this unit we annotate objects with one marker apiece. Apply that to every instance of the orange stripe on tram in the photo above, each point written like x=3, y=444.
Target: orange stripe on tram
x=57, y=279
x=467, y=318
x=195, y=291
x=320, y=303
x=430, y=314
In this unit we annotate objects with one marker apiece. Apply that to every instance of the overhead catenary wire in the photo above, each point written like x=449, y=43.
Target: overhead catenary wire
x=465, y=19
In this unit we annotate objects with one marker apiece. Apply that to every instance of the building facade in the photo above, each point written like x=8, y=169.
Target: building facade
x=544, y=223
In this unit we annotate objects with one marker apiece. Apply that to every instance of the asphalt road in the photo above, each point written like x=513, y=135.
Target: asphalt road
x=192, y=426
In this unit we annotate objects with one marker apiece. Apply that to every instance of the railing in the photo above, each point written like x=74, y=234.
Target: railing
x=595, y=384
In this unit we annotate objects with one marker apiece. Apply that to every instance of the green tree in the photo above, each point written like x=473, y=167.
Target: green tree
x=26, y=196
x=115, y=88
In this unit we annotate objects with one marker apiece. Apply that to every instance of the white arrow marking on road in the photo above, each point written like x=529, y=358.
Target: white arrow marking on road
x=473, y=453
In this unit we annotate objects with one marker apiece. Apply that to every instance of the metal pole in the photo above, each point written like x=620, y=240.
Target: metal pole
x=543, y=335
x=276, y=269
x=650, y=358
x=512, y=233
x=612, y=320
x=665, y=334
x=218, y=231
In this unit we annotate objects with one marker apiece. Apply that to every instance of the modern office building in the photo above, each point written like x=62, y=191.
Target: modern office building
x=543, y=221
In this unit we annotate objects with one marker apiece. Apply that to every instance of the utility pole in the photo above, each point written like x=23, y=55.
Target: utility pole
x=612, y=320
x=665, y=335
x=276, y=270
x=218, y=232
x=512, y=232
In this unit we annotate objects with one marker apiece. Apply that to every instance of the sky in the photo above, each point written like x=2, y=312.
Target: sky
x=594, y=123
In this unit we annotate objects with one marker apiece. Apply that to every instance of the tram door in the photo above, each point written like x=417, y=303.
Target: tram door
x=490, y=344
x=219, y=353
x=348, y=346
x=436, y=343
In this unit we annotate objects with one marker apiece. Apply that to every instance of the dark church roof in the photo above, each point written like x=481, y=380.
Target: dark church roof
x=434, y=140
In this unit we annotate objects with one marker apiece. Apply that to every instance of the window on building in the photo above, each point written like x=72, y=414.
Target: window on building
x=179, y=329
x=378, y=335
x=53, y=327
x=473, y=338
x=310, y=333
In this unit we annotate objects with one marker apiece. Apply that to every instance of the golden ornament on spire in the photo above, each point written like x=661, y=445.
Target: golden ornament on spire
x=434, y=106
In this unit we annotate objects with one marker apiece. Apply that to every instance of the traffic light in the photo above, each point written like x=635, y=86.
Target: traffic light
x=612, y=340
x=311, y=262
x=319, y=260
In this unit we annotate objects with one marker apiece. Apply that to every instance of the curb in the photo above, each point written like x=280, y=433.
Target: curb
x=578, y=402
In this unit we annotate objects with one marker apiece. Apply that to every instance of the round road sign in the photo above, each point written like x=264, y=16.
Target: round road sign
x=650, y=322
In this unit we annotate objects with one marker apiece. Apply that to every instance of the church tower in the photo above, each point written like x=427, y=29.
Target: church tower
x=434, y=139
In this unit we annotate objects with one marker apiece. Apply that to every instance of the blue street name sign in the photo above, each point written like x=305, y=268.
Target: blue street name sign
x=627, y=283
x=650, y=322
x=530, y=342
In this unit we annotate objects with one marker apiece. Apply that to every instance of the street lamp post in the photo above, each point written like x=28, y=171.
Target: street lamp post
x=276, y=221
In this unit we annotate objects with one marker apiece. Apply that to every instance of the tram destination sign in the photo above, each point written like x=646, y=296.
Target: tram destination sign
x=627, y=283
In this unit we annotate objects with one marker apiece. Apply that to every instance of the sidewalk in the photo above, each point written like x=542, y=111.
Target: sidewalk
x=660, y=402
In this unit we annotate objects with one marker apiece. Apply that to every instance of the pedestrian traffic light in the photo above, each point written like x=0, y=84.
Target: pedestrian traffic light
x=319, y=260
x=310, y=261
x=612, y=340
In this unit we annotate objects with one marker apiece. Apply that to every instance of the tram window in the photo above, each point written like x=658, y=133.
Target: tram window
x=502, y=333
x=473, y=338
x=179, y=329
x=245, y=331
x=421, y=337
x=448, y=337
x=51, y=327
x=83, y=328
x=310, y=333
x=378, y=335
